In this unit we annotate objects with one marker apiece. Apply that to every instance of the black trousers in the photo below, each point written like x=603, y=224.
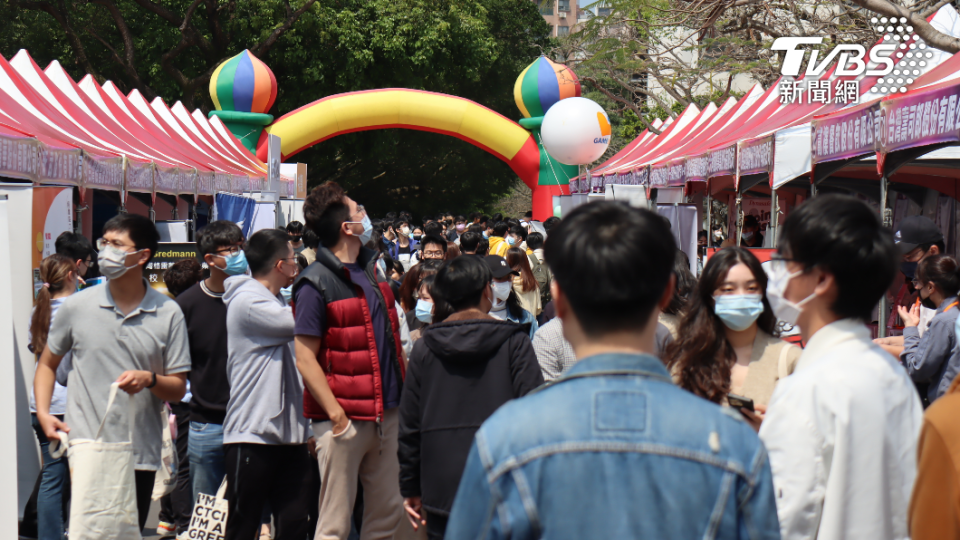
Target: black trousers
x=274, y=474
x=436, y=525
x=144, y=481
x=177, y=507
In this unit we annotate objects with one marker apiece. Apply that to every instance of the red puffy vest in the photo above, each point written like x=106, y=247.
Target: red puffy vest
x=348, y=348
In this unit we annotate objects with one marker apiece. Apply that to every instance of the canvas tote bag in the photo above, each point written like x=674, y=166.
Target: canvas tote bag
x=103, y=501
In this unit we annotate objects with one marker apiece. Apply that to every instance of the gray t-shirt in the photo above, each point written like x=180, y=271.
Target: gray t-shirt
x=105, y=343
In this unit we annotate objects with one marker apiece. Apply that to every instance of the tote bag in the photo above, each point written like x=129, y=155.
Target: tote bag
x=103, y=501
x=209, y=518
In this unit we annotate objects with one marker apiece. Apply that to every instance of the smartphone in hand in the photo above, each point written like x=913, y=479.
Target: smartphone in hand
x=740, y=402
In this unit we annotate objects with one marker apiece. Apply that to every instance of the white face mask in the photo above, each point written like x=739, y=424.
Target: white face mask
x=779, y=279
x=501, y=291
x=112, y=261
x=405, y=231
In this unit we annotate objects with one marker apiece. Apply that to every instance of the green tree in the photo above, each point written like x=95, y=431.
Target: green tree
x=469, y=48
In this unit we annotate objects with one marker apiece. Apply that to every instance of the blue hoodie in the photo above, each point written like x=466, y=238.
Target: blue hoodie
x=266, y=391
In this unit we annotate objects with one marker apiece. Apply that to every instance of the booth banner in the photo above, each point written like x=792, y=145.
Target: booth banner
x=596, y=183
x=723, y=161
x=658, y=175
x=918, y=120
x=60, y=165
x=186, y=181
x=102, y=172
x=19, y=157
x=52, y=215
x=756, y=156
x=241, y=184
x=167, y=180
x=641, y=177
x=612, y=179
x=139, y=176
x=206, y=184
x=676, y=173
x=221, y=182
x=697, y=168
x=845, y=135
x=301, y=181
x=167, y=254
x=575, y=185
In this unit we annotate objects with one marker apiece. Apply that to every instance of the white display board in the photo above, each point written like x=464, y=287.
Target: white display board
x=20, y=454
x=174, y=231
x=684, y=226
x=635, y=196
x=291, y=210
x=264, y=217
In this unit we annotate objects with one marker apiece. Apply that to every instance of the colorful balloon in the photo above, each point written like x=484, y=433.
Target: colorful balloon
x=576, y=131
x=542, y=84
x=243, y=84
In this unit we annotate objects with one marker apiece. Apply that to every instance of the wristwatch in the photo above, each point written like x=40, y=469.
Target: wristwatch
x=153, y=382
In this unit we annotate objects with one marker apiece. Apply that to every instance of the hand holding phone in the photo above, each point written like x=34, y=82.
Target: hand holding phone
x=740, y=402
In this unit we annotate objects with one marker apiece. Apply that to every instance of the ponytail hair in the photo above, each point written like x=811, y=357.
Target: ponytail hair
x=54, y=272
x=943, y=271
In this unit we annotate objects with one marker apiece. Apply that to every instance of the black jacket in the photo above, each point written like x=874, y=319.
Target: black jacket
x=459, y=374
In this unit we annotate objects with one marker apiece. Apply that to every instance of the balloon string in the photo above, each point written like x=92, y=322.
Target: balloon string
x=550, y=160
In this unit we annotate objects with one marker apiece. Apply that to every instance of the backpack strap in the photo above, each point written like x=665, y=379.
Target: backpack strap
x=782, y=364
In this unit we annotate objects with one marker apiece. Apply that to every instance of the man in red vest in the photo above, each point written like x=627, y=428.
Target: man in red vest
x=349, y=354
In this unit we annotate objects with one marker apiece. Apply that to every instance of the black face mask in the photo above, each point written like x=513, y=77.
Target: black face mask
x=927, y=302
x=295, y=238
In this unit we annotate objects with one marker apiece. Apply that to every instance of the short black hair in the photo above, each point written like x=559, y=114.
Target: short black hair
x=519, y=232
x=483, y=247
x=701, y=234
x=142, y=232
x=469, y=241
x=264, y=249
x=295, y=228
x=217, y=235
x=845, y=237
x=460, y=284
x=182, y=275
x=74, y=245
x=750, y=220
x=433, y=239
x=497, y=217
x=473, y=215
x=528, y=213
x=325, y=210
x=310, y=239
x=500, y=228
x=550, y=223
x=390, y=216
x=534, y=240
x=432, y=228
x=613, y=263
x=459, y=218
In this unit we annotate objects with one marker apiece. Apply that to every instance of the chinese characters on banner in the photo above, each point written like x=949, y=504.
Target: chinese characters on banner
x=169, y=253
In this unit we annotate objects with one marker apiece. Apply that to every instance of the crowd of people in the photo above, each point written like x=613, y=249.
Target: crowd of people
x=489, y=377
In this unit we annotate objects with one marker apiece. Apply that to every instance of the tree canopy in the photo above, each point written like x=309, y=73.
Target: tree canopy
x=469, y=48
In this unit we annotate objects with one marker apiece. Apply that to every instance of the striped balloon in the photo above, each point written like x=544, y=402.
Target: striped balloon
x=244, y=84
x=542, y=84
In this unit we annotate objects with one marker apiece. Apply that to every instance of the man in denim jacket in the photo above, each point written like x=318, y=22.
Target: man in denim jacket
x=613, y=449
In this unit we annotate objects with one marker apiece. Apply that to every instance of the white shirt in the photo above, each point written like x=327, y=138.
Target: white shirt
x=841, y=433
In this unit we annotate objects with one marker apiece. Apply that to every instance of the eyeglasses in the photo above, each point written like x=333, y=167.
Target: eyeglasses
x=232, y=250
x=360, y=210
x=102, y=243
x=916, y=284
x=433, y=254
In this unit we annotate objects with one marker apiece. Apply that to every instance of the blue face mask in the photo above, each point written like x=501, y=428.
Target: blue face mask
x=511, y=240
x=485, y=235
x=236, y=264
x=287, y=293
x=738, y=311
x=424, y=311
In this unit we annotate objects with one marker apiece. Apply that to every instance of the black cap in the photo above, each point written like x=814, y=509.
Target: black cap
x=915, y=231
x=498, y=266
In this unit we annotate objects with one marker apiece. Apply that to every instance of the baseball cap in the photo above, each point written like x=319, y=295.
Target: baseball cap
x=498, y=266
x=915, y=231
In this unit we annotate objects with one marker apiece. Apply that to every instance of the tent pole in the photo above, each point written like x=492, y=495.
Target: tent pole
x=882, y=311
x=774, y=215
x=709, y=201
x=739, y=221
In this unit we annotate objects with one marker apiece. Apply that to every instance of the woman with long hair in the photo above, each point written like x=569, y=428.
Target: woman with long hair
x=59, y=276
x=729, y=342
x=525, y=284
x=410, y=292
x=933, y=359
x=424, y=311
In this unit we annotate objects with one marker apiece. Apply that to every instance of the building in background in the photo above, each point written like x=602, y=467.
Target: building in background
x=562, y=15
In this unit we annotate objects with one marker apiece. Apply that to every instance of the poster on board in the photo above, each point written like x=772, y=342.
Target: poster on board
x=52, y=216
x=169, y=253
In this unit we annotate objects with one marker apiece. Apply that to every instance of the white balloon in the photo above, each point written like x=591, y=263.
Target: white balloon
x=576, y=131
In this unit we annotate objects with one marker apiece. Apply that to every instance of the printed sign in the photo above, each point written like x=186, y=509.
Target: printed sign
x=723, y=161
x=169, y=253
x=850, y=134
x=918, y=120
x=209, y=520
x=698, y=168
x=756, y=156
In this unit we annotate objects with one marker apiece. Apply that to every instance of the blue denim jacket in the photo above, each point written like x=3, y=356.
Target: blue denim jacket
x=614, y=450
